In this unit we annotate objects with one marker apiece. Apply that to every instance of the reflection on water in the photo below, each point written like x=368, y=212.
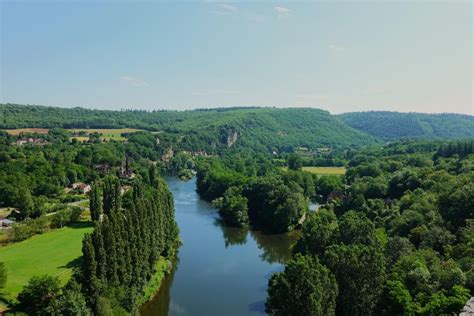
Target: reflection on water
x=163, y=296
x=221, y=270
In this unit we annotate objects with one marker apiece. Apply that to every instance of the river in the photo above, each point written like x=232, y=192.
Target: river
x=219, y=270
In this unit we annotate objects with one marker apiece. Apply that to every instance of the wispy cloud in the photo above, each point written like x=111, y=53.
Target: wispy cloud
x=226, y=9
x=134, y=82
x=282, y=12
x=336, y=48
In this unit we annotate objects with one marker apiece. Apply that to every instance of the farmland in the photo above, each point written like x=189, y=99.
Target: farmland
x=106, y=134
x=19, y=131
x=54, y=253
x=326, y=170
x=82, y=134
x=323, y=171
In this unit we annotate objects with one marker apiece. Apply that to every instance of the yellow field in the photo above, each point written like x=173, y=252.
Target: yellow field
x=18, y=131
x=107, y=134
x=326, y=170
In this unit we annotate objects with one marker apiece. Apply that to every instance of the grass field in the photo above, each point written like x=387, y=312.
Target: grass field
x=107, y=134
x=54, y=253
x=18, y=131
x=326, y=170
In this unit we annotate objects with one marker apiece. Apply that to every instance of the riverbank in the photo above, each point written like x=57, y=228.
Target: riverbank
x=163, y=267
x=219, y=270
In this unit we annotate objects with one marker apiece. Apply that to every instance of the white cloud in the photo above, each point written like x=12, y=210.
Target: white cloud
x=134, y=82
x=336, y=48
x=226, y=9
x=281, y=11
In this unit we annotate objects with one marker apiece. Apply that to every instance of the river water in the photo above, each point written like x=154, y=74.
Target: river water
x=219, y=270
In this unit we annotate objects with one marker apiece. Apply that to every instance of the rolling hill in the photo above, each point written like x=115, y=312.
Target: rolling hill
x=395, y=125
x=257, y=128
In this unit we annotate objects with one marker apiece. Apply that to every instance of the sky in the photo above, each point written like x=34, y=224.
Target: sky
x=410, y=56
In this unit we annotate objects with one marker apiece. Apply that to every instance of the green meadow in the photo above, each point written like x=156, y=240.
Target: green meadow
x=326, y=170
x=55, y=253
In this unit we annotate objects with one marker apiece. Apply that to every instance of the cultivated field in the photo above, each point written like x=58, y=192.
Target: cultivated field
x=326, y=170
x=54, y=253
x=107, y=134
x=18, y=131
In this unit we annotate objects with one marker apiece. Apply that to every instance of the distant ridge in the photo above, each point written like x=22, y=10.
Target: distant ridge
x=395, y=125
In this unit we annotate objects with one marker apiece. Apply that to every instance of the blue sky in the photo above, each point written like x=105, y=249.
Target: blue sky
x=339, y=56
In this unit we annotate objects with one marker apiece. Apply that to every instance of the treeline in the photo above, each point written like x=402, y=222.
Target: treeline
x=130, y=236
x=212, y=131
x=133, y=234
x=252, y=191
x=395, y=125
x=398, y=241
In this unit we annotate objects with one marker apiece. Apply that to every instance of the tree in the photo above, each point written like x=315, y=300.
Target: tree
x=39, y=294
x=295, y=162
x=360, y=275
x=25, y=202
x=70, y=302
x=3, y=275
x=233, y=208
x=95, y=202
x=306, y=287
x=319, y=231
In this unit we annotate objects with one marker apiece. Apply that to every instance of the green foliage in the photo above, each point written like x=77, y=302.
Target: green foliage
x=95, y=203
x=120, y=256
x=295, y=162
x=261, y=129
x=39, y=294
x=3, y=275
x=394, y=125
x=306, y=287
x=233, y=208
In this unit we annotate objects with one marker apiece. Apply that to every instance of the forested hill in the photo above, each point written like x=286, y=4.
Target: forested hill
x=256, y=128
x=395, y=125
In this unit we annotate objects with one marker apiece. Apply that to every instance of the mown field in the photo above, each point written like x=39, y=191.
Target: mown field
x=19, y=131
x=107, y=134
x=326, y=170
x=54, y=253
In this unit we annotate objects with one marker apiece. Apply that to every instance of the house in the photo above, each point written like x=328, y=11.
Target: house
x=31, y=141
x=125, y=172
x=335, y=195
x=5, y=222
x=81, y=187
x=102, y=168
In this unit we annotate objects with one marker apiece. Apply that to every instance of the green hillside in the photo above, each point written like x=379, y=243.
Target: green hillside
x=256, y=128
x=395, y=125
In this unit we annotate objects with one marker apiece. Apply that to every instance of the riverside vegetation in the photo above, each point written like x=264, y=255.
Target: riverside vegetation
x=393, y=235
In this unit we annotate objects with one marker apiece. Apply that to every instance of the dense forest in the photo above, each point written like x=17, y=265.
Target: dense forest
x=398, y=240
x=135, y=235
x=210, y=130
x=252, y=191
x=394, y=235
x=395, y=125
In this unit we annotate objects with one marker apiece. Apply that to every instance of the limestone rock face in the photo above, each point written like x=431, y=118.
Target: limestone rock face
x=468, y=309
x=232, y=138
